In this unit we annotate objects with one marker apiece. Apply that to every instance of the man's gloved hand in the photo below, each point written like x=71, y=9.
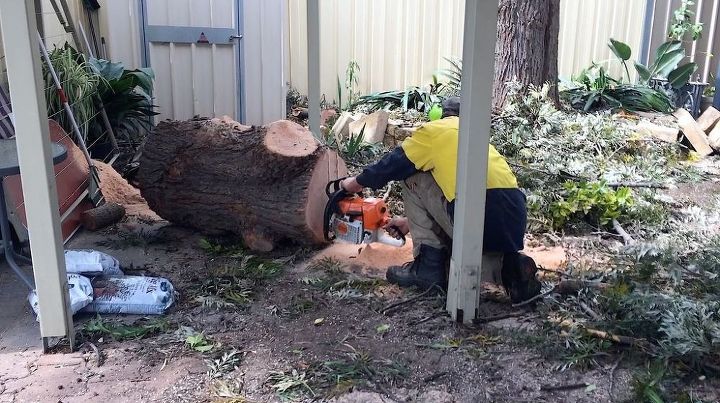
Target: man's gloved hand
x=351, y=185
x=398, y=227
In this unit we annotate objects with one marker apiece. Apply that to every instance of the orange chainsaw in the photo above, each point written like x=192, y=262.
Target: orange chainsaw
x=351, y=218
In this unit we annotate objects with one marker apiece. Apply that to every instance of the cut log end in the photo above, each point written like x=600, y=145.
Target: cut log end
x=289, y=139
x=103, y=216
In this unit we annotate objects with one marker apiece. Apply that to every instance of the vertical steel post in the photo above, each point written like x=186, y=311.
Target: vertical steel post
x=24, y=69
x=477, y=81
x=313, y=35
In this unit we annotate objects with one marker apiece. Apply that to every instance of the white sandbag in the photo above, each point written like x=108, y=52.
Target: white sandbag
x=131, y=294
x=91, y=263
x=79, y=288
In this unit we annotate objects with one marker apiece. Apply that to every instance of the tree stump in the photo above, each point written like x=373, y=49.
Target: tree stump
x=266, y=184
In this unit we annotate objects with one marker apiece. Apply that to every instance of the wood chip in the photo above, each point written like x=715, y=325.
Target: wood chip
x=708, y=119
x=664, y=133
x=692, y=131
x=714, y=138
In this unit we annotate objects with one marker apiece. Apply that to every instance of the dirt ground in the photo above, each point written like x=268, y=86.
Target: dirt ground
x=411, y=352
x=163, y=368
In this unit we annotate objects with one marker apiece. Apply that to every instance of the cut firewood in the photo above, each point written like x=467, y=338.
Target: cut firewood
x=708, y=119
x=664, y=133
x=692, y=131
x=714, y=138
x=103, y=216
x=266, y=184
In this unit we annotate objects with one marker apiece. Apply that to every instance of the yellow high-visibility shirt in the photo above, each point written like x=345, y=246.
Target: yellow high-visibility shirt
x=433, y=148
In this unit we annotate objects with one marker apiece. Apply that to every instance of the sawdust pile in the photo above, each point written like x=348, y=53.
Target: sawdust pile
x=118, y=190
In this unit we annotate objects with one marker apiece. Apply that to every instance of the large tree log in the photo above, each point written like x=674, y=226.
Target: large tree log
x=266, y=184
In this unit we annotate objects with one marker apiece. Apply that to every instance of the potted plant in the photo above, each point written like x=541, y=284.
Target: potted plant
x=125, y=94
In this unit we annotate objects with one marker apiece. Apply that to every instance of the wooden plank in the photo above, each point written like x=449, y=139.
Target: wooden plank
x=708, y=119
x=714, y=138
x=695, y=135
x=664, y=133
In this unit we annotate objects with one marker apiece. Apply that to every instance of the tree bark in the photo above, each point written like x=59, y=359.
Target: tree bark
x=103, y=216
x=266, y=184
x=527, y=46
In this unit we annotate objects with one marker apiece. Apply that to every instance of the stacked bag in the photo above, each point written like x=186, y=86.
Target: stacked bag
x=97, y=284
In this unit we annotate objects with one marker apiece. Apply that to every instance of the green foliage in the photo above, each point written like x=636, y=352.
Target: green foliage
x=351, y=82
x=290, y=385
x=666, y=64
x=234, y=280
x=596, y=90
x=419, y=98
x=453, y=76
x=682, y=23
x=647, y=385
x=199, y=342
x=225, y=364
x=99, y=327
x=623, y=52
x=595, y=202
x=357, y=369
x=126, y=97
x=354, y=148
x=547, y=147
x=79, y=85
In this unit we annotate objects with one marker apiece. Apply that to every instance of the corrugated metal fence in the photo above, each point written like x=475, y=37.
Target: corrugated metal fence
x=700, y=51
x=398, y=43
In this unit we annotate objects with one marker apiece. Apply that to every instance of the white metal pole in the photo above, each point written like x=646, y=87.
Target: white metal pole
x=17, y=19
x=313, y=35
x=477, y=81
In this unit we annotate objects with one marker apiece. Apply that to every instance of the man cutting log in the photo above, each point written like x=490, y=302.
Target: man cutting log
x=426, y=164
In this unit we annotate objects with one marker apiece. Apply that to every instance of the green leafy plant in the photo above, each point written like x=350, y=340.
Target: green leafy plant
x=199, y=342
x=647, y=385
x=682, y=23
x=453, y=76
x=355, y=147
x=666, y=64
x=126, y=97
x=595, y=202
x=225, y=364
x=419, y=98
x=79, y=84
x=596, y=90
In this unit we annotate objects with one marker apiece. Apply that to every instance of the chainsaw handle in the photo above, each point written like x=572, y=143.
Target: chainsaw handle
x=397, y=229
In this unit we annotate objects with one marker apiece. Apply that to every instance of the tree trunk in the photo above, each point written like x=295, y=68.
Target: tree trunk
x=266, y=184
x=527, y=46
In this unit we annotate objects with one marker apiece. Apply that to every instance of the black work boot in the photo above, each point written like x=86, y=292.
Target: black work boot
x=518, y=277
x=426, y=271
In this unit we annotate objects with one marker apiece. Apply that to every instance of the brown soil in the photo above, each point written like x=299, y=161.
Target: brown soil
x=117, y=190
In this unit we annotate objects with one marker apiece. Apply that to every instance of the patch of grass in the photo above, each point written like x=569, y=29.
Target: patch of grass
x=647, y=386
x=356, y=368
x=328, y=265
x=131, y=239
x=232, y=284
x=141, y=328
x=290, y=385
x=476, y=345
